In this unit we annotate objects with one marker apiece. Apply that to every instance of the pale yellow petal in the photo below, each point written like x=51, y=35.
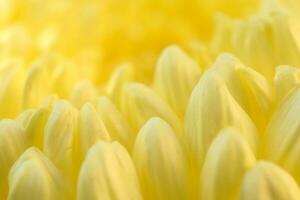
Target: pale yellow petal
x=91, y=128
x=249, y=88
x=175, y=76
x=64, y=78
x=121, y=76
x=12, y=144
x=228, y=159
x=11, y=78
x=266, y=181
x=115, y=123
x=24, y=117
x=60, y=136
x=83, y=91
x=199, y=51
x=141, y=103
x=34, y=131
x=160, y=162
x=34, y=177
x=49, y=101
x=108, y=173
x=285, y=80
x=282, y=136
x=211, y=108
x=221, y=40
x=263, y=41
x=34, y=92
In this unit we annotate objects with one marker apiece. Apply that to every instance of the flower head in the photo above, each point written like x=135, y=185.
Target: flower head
x=149, y=100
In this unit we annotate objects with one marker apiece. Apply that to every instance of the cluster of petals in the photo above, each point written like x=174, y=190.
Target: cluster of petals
x=86, y=116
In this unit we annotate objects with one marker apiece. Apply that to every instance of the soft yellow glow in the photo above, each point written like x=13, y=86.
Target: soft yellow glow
x=149, y=99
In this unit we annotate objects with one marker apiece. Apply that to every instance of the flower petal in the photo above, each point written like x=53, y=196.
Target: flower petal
x=228, y=159
x=34, y=177
x=140, y=103
x=160, y=162
x=115, y=122
x=91, y=128
x=108, y=173
x=267, y=181
x=212, y=108
x=175, y=76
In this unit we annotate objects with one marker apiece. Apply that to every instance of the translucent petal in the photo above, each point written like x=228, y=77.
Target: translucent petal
x=12, y=144
x=140, y=103
x=34, y=177
x=11, y=78
x=65, y=75
x=228, y=159
x=34, y=130
x=34, y=92
x=24, y=117
x=108, y=173
x=160, y=162
x=83, y=91
x=249, y=88
x=60, y=136
x=212, y=108
x=282, y=136
x=263, y=41
x=285, y=80
x=266, y=181
x=121, y=76
x=175, y=76
x=115, y=123
x=91, y=128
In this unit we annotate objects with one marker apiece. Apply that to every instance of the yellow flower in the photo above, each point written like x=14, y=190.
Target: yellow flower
x=149, y=100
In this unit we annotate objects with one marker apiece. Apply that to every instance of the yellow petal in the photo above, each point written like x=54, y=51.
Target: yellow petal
x=122, y=75
x=262, y=41
x=282, y=135
x=221, y=40
x=60, y=136
x=108, y=173
x=11, y=78
x=249, y=88
x=228, y=159
x=83, y=91
x=285, y=80
x=199, y=51
x=64, y=78
x=34, y=177
x=49, y=101
x=266, y=181
x=212, y=108
x=160, y=162
x=91, y=128
x=140, y=103
x=175, y=76
x=115, y=123
x=34, y=92
x=24, y=117
x=12, y=144
x=287, y=51
x=34, y=131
